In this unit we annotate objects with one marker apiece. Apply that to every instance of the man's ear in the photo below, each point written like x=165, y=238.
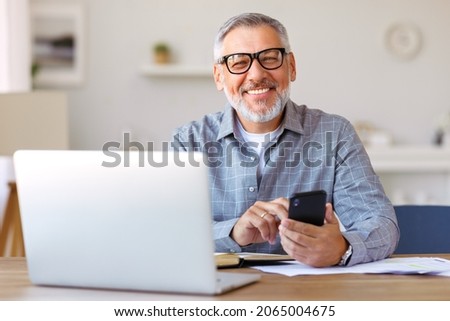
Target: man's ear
x=218, y=77
x=292, y=67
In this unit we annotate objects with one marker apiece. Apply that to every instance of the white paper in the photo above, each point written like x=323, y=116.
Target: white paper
x=409, y=265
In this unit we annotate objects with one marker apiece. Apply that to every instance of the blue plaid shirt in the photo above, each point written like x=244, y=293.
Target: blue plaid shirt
x=315, y=150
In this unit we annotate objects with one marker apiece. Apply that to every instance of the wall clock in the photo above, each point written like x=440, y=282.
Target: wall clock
x=403, y=40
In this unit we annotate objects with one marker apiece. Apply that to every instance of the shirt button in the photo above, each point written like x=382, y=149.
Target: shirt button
x=251, y=189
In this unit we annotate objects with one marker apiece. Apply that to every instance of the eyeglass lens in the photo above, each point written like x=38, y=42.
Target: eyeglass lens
x=269, y=59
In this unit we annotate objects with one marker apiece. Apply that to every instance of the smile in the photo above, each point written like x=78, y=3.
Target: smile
x=258, y=91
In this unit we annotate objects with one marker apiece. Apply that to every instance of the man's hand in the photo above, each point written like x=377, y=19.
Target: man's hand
x=317, y=246
x=260, y=222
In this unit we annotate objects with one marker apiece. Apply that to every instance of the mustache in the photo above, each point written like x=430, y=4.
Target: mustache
x=252, y=85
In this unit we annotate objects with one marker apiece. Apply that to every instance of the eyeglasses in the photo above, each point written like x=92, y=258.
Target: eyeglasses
x=240, y=63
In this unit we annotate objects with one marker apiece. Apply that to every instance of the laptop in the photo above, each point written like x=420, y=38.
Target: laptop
x=113, y=220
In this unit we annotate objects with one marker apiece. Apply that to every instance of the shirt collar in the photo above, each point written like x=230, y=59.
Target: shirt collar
x=226, y=126
x=293, y=117
x=292, y=120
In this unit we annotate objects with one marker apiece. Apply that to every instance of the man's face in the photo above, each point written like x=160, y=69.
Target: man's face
x=259, y=95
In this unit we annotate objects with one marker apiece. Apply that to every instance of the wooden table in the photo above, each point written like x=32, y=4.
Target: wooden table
x=15, y=285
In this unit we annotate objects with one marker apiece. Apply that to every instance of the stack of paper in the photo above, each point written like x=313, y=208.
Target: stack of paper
x=409, y=265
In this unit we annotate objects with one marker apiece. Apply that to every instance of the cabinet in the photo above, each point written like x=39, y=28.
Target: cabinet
x=413, y=174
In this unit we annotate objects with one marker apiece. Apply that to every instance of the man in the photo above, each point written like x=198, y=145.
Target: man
x=263, y=148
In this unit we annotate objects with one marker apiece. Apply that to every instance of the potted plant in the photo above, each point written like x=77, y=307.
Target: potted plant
x=161, y=53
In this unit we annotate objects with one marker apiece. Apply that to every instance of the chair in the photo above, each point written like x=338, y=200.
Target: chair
x=11, y=237
x=424, y=229
x=28, y=120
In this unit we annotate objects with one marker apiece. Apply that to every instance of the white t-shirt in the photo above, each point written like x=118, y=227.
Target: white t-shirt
x=259, y=143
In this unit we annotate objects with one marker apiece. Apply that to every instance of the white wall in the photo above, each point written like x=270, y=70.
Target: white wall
x=343, y=66
x=14, y=46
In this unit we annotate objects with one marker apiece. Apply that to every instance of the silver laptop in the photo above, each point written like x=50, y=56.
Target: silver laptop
x=134, y=221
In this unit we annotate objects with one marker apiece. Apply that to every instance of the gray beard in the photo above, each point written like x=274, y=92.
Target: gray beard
x=241, y=107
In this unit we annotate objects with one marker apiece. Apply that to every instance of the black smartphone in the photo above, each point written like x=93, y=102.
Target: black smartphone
x=308, y=207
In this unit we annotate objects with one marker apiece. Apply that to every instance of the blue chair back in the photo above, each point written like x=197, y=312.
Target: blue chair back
x=423, y=229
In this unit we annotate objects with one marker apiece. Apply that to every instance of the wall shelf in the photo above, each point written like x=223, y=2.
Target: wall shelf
x=406, y=159
x=413, y=174
x=176, y=70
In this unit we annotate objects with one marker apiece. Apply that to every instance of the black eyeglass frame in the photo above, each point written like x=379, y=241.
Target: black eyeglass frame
x=253, y=56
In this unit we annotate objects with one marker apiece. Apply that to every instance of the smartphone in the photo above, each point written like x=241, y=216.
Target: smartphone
x=308, y=207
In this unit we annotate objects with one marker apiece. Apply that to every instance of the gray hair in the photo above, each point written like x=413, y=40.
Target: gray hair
x=249, y=20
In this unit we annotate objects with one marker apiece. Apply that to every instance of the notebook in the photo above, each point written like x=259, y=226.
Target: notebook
x=114, y=220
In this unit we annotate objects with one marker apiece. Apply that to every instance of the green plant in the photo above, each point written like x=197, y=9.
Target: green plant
x=35, y=67
x=161, y=53
x=161, y=47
